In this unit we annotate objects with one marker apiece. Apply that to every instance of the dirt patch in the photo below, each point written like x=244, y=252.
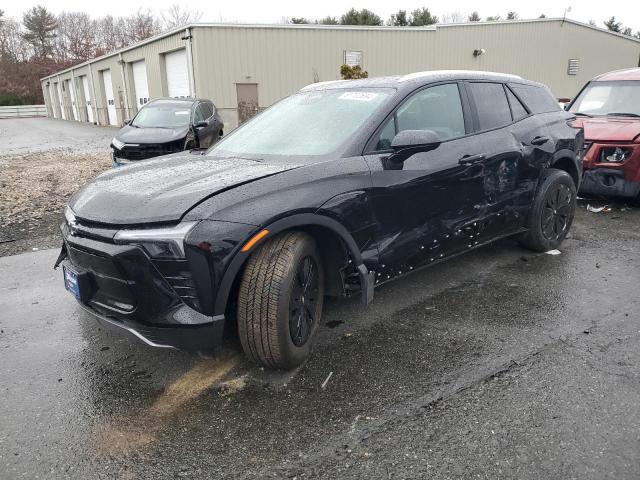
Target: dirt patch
x=34, y=190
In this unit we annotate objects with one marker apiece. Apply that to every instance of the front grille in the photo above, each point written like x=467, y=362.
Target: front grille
x=110, y=287
x=149, y=150
x=178, y=275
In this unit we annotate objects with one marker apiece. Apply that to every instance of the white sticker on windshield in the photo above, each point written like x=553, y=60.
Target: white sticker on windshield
x=359, y=96
x=183, y=112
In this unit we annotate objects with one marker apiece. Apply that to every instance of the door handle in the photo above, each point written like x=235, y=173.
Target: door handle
x=471, y=159
x=537, y=141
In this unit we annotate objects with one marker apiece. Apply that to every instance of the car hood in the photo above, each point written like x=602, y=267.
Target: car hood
x=612, y=129
x=163, y=189
x=129, y=134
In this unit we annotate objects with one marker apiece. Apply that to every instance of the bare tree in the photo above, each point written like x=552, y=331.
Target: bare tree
x=453, y=17
x=75, y=37
x=140, y=25
x=13, y=47
x=176, y=16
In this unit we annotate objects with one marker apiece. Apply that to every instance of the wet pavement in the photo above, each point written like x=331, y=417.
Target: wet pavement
x=498, y=364
x=21, y=136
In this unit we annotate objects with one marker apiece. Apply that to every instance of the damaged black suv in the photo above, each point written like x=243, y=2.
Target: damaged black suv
x=334, y=190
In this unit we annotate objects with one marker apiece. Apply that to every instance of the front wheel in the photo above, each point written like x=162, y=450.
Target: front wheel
x=280, y=301
x=552, y=212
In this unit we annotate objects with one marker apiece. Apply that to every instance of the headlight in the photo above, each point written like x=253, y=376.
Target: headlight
x=158, y=242
x=69, y=216
x=614, y=154
x=117, y=143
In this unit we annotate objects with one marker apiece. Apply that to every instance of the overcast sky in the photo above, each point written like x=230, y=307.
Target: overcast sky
x=256, y=11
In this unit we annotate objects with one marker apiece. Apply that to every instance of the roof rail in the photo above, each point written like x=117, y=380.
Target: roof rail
x=413, y=76
x=308, y=87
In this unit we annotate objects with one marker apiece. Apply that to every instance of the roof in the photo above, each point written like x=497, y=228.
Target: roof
x=417, y=78
x=189, y=100
x=313, y=26
x=626, y=74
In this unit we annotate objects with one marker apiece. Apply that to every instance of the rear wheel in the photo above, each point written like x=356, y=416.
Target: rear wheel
x=552, y=212
x=280, y=301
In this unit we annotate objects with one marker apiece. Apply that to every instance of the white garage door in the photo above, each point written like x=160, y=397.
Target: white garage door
x=74, y=105
x=111, y=104
x=52, y=100
x=87, y=98
x=63, y=114
x=177, y=73
x=140, y=84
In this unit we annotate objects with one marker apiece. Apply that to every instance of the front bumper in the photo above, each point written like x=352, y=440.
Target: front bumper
x=131, y=153
x=192, y=338
x=148, y=299
x=611, y=179
x=608, y=182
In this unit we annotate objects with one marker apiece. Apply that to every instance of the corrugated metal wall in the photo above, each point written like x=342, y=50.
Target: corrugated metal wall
x=280, y=59
x=124, y=94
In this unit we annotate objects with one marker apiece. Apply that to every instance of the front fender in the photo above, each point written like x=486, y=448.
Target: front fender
x=228, y=259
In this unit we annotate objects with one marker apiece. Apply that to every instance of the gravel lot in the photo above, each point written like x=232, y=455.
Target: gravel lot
x=42, y=163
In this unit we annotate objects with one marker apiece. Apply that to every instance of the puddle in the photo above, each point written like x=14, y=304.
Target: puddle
x=142, y=429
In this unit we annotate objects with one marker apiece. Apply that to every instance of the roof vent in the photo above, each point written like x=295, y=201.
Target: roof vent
x=572, y=66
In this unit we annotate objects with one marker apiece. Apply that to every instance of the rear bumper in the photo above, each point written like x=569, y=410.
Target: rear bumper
x=609, y=182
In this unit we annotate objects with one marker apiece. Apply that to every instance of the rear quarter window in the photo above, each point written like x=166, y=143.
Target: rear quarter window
x=491, y=105
x=537, y=99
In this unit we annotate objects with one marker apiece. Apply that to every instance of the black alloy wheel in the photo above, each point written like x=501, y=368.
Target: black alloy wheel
x=556, y=212
x=303, y=300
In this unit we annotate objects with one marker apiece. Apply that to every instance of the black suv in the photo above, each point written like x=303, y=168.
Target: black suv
x=334, y=190
x=164, y=126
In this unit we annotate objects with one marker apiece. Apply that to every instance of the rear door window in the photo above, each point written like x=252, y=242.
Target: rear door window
x=200, y=115
x=208, y=109
x=537, y=99
x=491, y=105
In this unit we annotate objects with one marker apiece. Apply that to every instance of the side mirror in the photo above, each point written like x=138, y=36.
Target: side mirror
x=127, y=122
x=202, y=124
x=409, y=142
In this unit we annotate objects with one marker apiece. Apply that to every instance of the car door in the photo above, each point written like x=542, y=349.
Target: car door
x=206, y=134
x=200, y=132
x=426, y=208
x=503, y=128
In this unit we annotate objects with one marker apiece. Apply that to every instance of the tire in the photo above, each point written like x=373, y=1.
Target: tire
x=272, y=294
x=552, y=212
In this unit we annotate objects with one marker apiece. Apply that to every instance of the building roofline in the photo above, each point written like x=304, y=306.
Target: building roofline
x=313, y=26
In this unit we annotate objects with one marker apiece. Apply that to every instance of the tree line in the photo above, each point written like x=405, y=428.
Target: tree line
x=421, y=17
x=43, y=43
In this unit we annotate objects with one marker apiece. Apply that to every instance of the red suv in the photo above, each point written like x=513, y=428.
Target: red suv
x=608, y=107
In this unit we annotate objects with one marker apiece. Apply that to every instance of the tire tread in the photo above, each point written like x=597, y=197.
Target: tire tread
x=259, y=298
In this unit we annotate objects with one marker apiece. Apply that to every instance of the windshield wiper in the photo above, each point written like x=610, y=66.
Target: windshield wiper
x=580, y=114
x=622, y=114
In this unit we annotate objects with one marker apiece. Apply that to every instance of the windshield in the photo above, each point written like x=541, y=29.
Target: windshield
x=620, y=97
x=307, y=123
x=163, y=116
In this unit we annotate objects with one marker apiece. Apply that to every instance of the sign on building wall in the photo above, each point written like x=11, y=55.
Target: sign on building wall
x=353, y=58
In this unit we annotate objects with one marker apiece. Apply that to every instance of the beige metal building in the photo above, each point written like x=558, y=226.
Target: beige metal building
x=242, y=68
